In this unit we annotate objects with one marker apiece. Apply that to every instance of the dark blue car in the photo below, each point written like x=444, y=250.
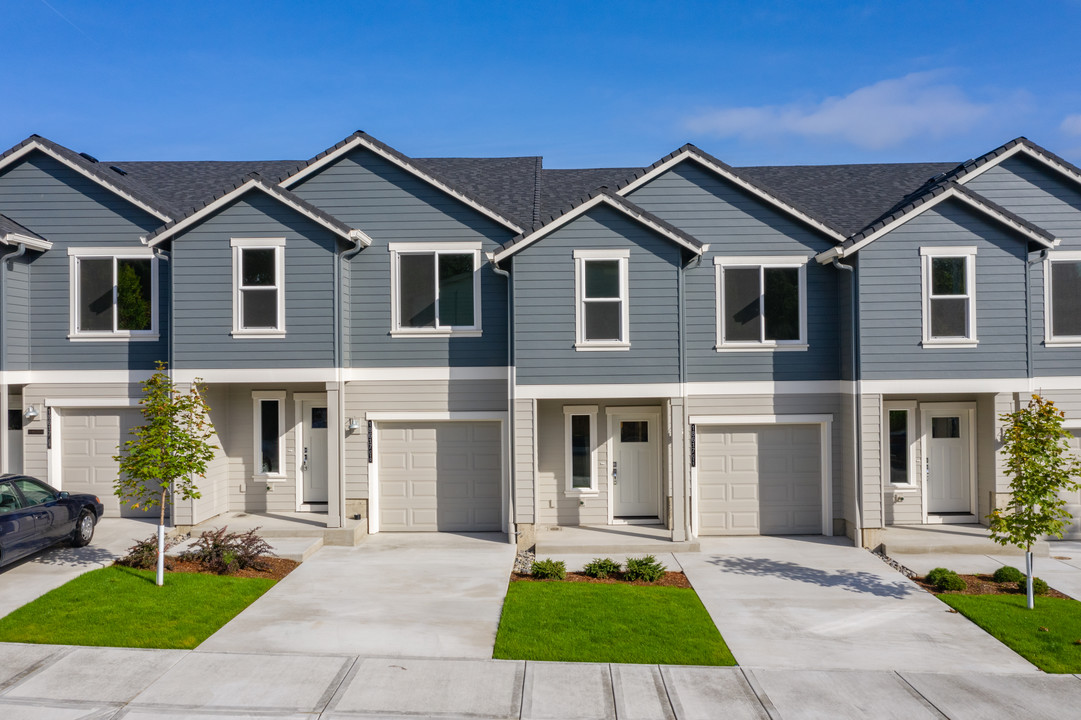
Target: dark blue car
x=34, y=515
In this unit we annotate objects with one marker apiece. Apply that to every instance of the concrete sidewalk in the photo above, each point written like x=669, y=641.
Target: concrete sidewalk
x=61, y=683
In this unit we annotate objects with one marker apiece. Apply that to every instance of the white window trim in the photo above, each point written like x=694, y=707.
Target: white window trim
x=397, y=249
x=114, y=253
x=258, y=396
x=580, y=341
x=568, y=412
x=799, y=262
x=1049, y=338
x=914, y=475
x=278, y=246
x=969, y=253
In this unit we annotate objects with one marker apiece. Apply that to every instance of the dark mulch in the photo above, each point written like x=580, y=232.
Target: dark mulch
x=984, y=585
x=276, y=568
x=669, y=579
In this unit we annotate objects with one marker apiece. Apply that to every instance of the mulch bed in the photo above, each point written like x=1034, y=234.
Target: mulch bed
x=669, y=579
x=277, y=568
x=984, y=585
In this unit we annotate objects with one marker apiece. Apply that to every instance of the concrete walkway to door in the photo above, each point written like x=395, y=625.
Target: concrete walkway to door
x=394, y=595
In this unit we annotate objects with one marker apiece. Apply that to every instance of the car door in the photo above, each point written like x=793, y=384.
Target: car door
x=49, y=513
x=18, y=528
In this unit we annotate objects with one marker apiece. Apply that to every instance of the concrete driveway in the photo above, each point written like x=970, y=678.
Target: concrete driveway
x=801, y=603
x=394, y=595
x=36, y=575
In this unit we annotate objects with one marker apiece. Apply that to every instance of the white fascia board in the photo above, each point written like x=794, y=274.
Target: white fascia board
x=390, y=157
x=736, y=180
x=765, y=387
x=1035, y=237
x=35, y=145
x=30, y=242
x=417, y=374
x=759, y=419
x=596, y=391
x=1020, y=148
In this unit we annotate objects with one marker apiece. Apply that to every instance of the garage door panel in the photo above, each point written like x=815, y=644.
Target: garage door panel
x=89, y=438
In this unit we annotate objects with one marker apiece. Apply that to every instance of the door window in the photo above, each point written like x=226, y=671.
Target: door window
x=634, y=431
x=945, y=427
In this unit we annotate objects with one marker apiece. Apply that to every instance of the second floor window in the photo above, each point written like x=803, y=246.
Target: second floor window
x=259, y=287
x=602, y=314
x=1063, y=297
x=949, y=310
x=436, y=288
x=113, y=296
x=762, y=303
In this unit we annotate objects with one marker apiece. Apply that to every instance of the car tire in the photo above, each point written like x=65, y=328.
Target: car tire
x=84, y=529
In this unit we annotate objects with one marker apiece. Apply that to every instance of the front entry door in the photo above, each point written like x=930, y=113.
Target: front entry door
x=950, y=477
x=313, y=459
x=636, y=465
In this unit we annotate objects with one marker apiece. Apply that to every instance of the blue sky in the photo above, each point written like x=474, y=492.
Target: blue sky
x=586, y=84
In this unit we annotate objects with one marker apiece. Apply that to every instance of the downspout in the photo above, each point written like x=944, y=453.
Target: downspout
x=857, y=403
x=1029, y=359
x=8, y=259
x=512, y=535
x=682, y=348
x=339, y=332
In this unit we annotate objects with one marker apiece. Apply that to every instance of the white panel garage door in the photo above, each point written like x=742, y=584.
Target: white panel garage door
x=759, y=480
x=89, y=440
x=440, y=476
x=1073, y=499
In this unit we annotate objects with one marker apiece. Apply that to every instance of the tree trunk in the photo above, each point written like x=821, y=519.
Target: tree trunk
x=161, y=542
x=1028, y=576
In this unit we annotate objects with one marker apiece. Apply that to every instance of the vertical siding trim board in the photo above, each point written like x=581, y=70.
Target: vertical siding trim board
x=825, y=452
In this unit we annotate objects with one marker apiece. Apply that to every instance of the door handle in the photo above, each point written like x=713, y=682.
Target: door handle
x=615, y=473
x=304, y=463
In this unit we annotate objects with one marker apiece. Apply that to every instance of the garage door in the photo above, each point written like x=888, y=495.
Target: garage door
x=1073, y=499
x=759, y=480
x=89, y=440
x=440, y=476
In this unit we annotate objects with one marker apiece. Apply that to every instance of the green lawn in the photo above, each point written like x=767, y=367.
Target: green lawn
x=1007, y=618
x=122, y=607
x=588, y=622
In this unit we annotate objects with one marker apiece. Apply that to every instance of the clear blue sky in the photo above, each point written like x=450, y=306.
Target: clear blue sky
x=586, y=84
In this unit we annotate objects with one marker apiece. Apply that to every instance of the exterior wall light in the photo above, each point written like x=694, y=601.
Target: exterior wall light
x=352, y=425
x=31, y=413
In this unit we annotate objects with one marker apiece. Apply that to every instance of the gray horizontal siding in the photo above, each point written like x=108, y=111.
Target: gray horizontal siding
x=203, y=270
x=69, y=210
x=891, y=300
x=544, y=309
x=392, y=205
x=735, y=222
x=16, y=309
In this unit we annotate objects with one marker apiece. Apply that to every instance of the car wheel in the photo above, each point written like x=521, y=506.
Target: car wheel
x=84, y=529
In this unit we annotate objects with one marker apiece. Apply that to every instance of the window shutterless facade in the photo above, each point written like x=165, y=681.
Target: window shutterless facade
x=581, y=442
x=435, y=288
x=1062, y=298
x=269, y=442
x=602, y=313
x=114, y=294
x=761, y=302
x=949, y=296
x=259, y=287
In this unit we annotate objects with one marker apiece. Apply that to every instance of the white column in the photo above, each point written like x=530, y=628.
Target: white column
x=679, y=472
x=335, y=459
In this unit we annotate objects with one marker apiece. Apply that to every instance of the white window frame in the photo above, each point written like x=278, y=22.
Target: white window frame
x=570, y=411
x=969, y=255
x=914, y=473
x=258, y=397
x=434, y=248
x=75, y=255
x=762, y=262
x=1049, y=338
x=278, y=246
x=581, y=257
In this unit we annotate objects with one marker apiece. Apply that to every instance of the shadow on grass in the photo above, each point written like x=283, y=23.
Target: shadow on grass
x=850, y=580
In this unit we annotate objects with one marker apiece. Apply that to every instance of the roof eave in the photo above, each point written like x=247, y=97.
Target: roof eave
x=31, y=242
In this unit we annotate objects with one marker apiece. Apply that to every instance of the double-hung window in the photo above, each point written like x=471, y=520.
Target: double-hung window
x=762, y=302
x=602, y=315
x=114, y=294
x=580, y=423
x=436, y=288
x=1062, y=280
x=259, y=287
x=269, y=424
x=949, y=296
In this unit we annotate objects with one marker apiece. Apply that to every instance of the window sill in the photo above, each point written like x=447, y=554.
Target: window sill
x=114, y=338
x=795, y=347
x=437, y=333
x=258, y=334
x=270, y=479
x=904, y=488
x=1071, y=342
x=581, y=492
x=949, y=344
x=600, y=347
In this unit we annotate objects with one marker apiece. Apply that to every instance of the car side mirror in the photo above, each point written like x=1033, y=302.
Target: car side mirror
x=63, y=495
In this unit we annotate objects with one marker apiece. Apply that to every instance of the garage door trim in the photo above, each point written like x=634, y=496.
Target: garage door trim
x=397, y=417
x=53, y=406
x=825, y=424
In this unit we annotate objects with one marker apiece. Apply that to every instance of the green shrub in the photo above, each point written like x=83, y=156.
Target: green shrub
x=935, y=575
x=1007, y=573
x=946, y=580
x=225, y=552
x=601, y=568
x=143, y=555
x=549, y=569
x=645, y=568
x=1039, y=586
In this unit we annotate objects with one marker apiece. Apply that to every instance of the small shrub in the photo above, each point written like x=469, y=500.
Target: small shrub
x=644, y=568
x=549, y=569
x=143, y=555
x=1039, y=586
x=935, y=575
x=945, y=580
x=601, y=568
x=225, y=552
x=1008, y=574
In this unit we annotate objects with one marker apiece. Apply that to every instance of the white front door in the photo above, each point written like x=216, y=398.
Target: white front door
x=313, y=449
x=635, y=465
x=950, y=482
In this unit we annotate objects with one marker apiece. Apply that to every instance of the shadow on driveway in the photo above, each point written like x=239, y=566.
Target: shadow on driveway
x=856, y=581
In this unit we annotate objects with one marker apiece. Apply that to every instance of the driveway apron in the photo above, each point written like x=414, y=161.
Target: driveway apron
x=820, y=603
x=395, y=595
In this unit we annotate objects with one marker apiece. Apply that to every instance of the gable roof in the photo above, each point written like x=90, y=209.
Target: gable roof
x=507, y=185
x=974, y=168
x=739, y=178
x=107, y=178
x=254, y=182
x=933, y=194
x=598, y=197
x=427, y=173
x=12, y=233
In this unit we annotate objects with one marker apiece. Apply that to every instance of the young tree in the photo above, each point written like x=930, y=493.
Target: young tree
x=170, y=448
x=1040, y=466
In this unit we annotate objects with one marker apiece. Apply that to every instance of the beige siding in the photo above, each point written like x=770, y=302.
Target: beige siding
x=871, y=411
x=525, y=443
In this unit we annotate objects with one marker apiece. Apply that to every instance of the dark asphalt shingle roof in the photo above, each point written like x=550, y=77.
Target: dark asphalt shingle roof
x=507, y=185
x=10, y=227
x=560, y=190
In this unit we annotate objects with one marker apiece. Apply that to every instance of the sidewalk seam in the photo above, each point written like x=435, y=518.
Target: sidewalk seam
x=760, y=693
x=920, y=695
